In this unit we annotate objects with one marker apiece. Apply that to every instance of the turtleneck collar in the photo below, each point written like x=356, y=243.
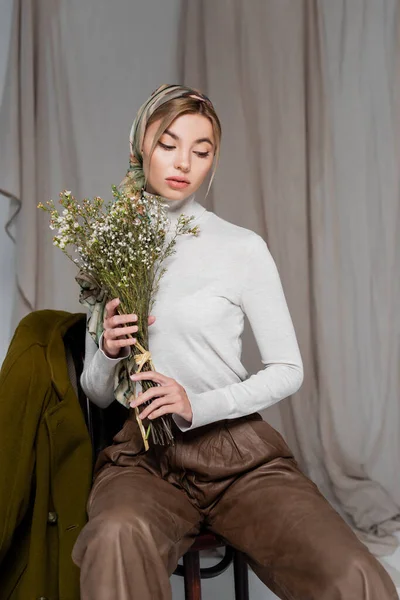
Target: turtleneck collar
x=188, y=206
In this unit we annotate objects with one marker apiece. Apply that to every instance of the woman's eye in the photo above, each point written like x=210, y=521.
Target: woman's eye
x=200, y=154
x=166, y=147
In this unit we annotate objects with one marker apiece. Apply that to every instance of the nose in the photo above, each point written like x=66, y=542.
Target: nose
x=182, y=163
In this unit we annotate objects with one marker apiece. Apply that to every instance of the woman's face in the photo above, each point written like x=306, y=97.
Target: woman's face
x=182, y=157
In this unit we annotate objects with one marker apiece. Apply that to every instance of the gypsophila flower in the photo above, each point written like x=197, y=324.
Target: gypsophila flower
x=121, y=245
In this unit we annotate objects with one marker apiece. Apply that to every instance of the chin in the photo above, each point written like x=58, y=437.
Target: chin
x=171, y=194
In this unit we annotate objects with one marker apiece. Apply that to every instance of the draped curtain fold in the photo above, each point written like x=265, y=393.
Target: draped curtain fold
x=308, y=95
x=38, y=155
x=76, y=74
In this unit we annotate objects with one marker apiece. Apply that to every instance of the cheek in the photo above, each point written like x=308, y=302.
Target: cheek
x=159, y=161
x=203, y=168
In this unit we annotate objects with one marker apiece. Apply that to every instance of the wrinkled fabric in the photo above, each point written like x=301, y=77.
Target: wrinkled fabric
x=239, y=479
x=310, y=97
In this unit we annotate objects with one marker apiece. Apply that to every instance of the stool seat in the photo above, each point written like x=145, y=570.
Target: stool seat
x=206, y=540
x=193, y=573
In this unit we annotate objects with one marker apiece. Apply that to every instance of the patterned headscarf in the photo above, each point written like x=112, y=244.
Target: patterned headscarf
x=135, y=175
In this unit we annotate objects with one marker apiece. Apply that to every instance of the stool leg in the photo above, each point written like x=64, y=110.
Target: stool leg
x=241, y=576
x=191, y=565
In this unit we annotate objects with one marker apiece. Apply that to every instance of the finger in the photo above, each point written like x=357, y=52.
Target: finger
x=112, y=334
x=153, y=392
x=156, y=405
x=150, y=376
x=121, y=343
x=152, y=319
x=166, y=409
x=111, y=307
x=116, y=320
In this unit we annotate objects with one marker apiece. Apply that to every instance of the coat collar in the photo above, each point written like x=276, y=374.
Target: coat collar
x=46, y=329
x=55, y=354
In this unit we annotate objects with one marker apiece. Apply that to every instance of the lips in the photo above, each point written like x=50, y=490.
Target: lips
x=179, y=179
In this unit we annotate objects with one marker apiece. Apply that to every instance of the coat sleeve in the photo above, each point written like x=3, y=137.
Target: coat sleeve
x=263, y=302
x=22, y=389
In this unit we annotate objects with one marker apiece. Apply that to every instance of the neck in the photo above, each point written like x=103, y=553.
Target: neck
x=188, y=206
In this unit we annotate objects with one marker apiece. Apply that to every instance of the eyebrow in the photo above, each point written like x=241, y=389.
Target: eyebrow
x=176, y=137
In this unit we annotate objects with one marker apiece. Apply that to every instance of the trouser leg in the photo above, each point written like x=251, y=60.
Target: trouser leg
x=139, y=526
x=295, y=541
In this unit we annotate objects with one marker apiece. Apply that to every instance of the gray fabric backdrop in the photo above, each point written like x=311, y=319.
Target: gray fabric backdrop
x=308, y=95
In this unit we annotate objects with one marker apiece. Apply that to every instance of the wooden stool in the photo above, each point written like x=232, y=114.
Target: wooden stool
x=193, y=574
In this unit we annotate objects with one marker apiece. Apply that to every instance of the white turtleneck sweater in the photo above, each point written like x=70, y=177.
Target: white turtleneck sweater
x=211, y=282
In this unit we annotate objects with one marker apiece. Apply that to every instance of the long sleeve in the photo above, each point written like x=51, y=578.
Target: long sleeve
x=264, y=303
x=97, y=379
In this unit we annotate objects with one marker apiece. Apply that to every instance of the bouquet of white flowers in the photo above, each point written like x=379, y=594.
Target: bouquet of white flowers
x=119, y=248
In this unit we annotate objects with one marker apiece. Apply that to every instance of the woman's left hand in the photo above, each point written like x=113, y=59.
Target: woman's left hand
x=170, y=397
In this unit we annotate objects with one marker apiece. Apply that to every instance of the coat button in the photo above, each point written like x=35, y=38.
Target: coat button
x=52, y=518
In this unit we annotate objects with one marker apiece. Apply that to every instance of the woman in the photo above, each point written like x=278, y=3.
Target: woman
x=228, y=470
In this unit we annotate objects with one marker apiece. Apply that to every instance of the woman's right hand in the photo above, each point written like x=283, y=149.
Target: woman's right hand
x=115, y=331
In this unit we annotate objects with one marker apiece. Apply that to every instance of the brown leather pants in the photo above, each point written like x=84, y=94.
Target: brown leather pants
x=240, y=479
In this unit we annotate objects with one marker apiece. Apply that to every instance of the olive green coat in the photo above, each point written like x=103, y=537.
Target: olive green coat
x=45, y=463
